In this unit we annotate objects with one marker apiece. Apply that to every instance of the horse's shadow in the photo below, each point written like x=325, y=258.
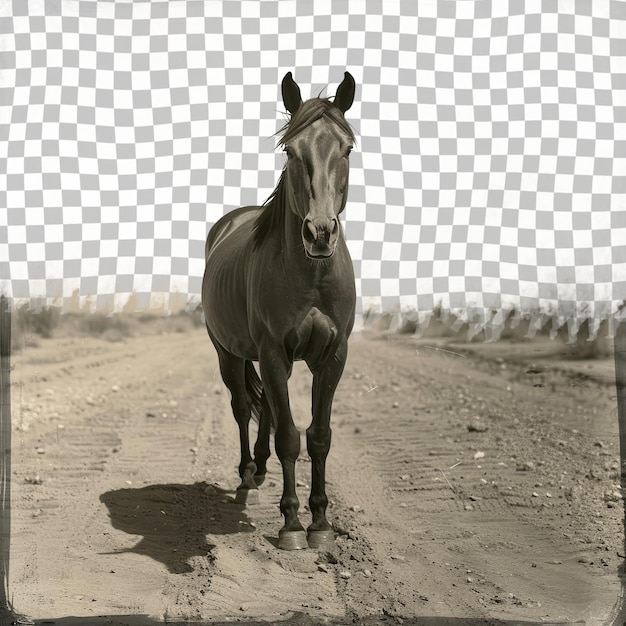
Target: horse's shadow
x=174, y=519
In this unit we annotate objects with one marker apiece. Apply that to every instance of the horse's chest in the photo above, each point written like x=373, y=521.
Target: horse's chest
x=314, y=337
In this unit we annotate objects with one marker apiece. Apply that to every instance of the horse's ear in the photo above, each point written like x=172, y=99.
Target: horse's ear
x=291, y=94
x=345, y=93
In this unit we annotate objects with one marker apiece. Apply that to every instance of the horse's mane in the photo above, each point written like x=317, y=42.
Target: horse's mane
x=272, y=216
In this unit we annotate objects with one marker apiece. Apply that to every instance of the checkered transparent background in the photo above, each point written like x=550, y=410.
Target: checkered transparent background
x=489, y=171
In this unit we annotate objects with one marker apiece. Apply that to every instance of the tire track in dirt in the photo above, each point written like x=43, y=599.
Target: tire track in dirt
x=458, y=518
x=147, y=467
x=92, y=434
x=133, y=513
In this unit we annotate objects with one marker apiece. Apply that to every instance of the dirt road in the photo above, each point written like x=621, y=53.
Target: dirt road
x=482, y=486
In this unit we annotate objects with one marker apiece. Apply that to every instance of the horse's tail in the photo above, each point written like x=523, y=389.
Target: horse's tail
x=254, y=389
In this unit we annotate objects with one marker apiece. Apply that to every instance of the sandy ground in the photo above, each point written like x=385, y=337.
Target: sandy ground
x=469, y=484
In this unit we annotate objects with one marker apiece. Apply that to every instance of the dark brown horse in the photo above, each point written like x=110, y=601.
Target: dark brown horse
x=279, y=287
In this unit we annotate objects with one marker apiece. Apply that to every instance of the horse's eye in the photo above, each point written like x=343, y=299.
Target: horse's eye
x=288, y=151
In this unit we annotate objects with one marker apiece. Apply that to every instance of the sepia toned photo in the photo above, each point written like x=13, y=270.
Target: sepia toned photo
x=312, y=312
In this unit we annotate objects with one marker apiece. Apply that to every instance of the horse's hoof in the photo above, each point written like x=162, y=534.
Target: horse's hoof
x=321, y=539
x=292, y=540
x=247, y=496
x=259, y=479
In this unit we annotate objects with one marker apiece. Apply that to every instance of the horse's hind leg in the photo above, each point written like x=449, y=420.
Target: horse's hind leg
x=262, y=445
x=232, y=369
x=318, y=435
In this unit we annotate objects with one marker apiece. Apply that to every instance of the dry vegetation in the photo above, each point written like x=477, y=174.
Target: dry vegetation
x=29, y=325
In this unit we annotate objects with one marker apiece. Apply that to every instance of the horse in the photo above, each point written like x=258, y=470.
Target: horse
x=279, y=287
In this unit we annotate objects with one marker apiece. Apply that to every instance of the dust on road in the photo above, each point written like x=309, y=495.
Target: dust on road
x=478, y=484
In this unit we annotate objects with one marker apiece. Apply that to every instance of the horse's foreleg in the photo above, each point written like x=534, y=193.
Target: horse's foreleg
x=275, y=369
x=318, y=436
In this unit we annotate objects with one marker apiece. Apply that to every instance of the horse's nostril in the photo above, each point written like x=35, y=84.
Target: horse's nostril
x=312, y=229
x=333, y=228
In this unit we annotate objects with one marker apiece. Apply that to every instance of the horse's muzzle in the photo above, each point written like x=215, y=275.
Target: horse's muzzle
x=319, y=236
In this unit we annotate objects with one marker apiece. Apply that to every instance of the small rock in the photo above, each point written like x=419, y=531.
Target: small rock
x=612, y=496
x=301, y=483
x=150, y=414
x=40, y=451
x=468, y=507
x=570, y=494
x=584, y=559
x=397, y=557
x=405, y=477
x=479, y=455
x=476, y=427
x=115, y=388
x=395, y=405
x=356, y=508
x=327, y=557
x=322, y=568
x=527, y=466
x=535, y=494
x=345, y=575
x=367, y=573
x=90, y=400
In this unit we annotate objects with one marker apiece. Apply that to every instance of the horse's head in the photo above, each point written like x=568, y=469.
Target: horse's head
x=317, y=141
